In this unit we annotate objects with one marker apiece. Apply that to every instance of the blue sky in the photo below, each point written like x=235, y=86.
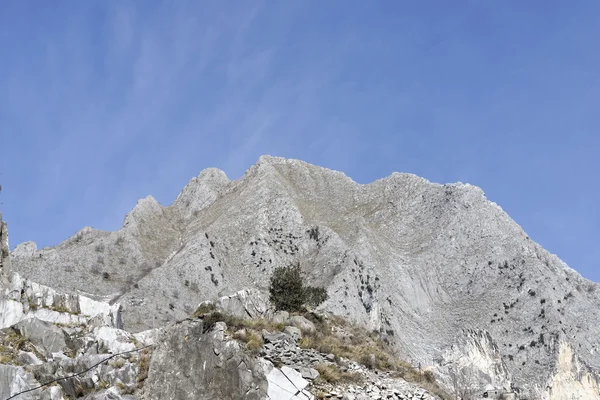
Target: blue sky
x=106, y=102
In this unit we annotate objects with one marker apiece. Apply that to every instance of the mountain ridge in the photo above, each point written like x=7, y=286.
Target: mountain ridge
x=417, y=261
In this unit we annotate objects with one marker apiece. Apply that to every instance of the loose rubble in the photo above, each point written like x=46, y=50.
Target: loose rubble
x=191, y=359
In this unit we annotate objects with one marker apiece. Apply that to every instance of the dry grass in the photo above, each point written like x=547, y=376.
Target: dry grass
x=333, y=335
x=102, y=384
x=125, y=389
x=254, y=341
x=144, y=364
x=336, y=336
x=10, y=344
x=357, y=345
x=235, y=323
x=62, y=309
x=333, y=374
x=321, y=395
x=117, y=363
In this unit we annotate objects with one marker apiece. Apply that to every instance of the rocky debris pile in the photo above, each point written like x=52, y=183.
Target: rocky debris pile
x=247, y=303
x=282, y=348
x=74, y=343
x=22, y=299
x=196, y=361
x=68, y=339
x=379, y=389
x=80, y=359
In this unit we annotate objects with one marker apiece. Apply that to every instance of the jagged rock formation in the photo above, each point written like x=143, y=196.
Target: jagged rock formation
x=417, y=261
x=45, y=335
x=4, y=251
x=198, y=358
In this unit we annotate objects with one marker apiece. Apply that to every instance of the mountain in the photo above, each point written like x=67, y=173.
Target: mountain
x=443, y=274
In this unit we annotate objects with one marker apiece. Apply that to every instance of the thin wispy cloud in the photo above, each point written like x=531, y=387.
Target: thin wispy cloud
x=107, y=102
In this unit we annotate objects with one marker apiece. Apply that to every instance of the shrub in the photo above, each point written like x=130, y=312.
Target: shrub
x=313, y=296
x=204, y=308
x=286, y=288
x=287, y=291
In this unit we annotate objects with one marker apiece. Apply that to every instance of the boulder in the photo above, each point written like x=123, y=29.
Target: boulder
x=248, y=303
x=287, y=384
x=28, y=358
x=14, y=380
x=109, y=394
x=281, y=317
x=276, y=337
x=309, y=373
x=52, y=393
x=204, y=367
x=113, y=340
x=293, y=332
x=303, y=324
x=46, y=337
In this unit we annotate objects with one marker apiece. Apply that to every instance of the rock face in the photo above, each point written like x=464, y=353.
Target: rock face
x=4, y=251
x=190, y=364
x=21, y=299
x=196, y=358
x=245, y=304
x=426, y=265
x=46, y=335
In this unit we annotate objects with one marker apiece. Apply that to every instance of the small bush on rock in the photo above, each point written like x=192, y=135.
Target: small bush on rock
x=315, y=295
x=287, y=291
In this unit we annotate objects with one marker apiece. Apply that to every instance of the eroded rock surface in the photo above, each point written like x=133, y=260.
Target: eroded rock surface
x=419, y=262
x=189, y=364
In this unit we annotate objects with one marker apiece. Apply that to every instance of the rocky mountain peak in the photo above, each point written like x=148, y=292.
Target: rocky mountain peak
x=442, y=273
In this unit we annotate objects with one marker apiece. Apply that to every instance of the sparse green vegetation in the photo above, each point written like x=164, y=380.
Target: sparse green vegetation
x=125, y=389
x=332, y=335
x=62, y=309
x=203, y=308
x=10, y=345
x=288, y=292
x=117, y=363
x=356, y=343
x=210, y=318
x=313, y=233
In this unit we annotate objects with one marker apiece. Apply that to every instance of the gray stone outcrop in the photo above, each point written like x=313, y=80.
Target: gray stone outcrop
x=5, y=271
x=193, y=364
x=419, y=262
